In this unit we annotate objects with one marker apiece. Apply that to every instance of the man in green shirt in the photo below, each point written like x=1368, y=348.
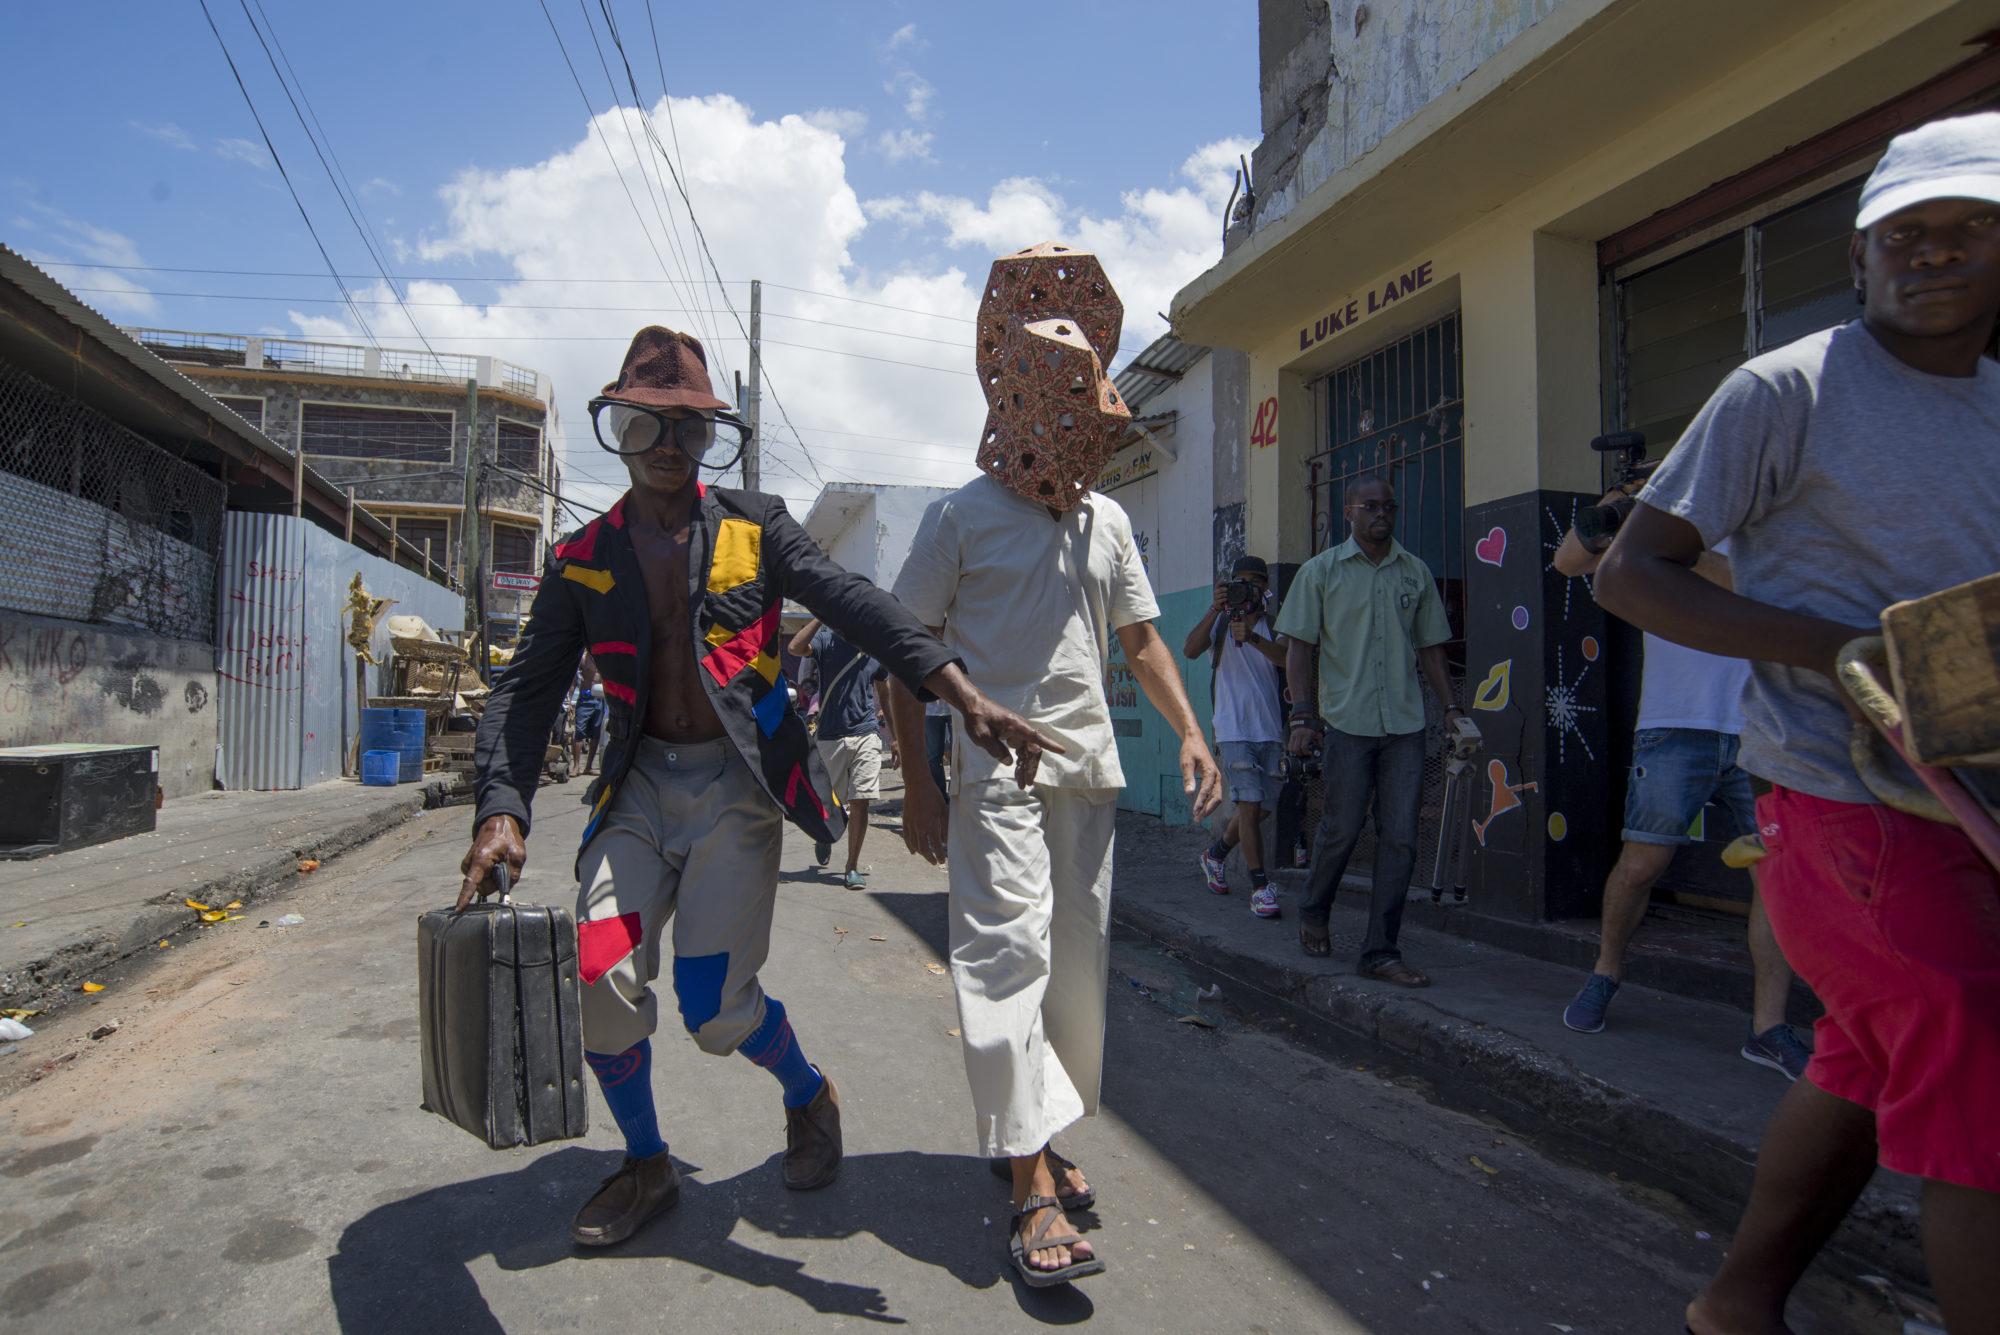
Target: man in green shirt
x=1373, y=610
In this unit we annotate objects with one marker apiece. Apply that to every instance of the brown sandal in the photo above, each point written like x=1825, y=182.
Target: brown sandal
x=1319, y=947
x=1397, y=972
x=1018, y=1248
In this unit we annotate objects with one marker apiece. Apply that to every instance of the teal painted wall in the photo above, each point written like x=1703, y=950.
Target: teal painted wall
x=1147, y=748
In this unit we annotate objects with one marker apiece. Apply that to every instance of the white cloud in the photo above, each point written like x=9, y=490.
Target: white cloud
x=843, y=121
x=891, y=400
x=166, y=132
x=242, y=150
x=904, y=39
x=75, y=240
x=380, y=185
x=903, y=145
x=916, y=92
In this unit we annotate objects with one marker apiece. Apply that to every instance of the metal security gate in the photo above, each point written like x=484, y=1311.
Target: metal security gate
x=1400, y=413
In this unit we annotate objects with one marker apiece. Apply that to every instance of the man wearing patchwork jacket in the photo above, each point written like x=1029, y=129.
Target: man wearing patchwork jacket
x=676, y=593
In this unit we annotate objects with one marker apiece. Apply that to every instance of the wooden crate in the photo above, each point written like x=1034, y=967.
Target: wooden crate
x=1944, y=660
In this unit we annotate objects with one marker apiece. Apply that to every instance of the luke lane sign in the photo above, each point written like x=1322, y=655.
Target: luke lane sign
x=1378, y=299
x=520, y=583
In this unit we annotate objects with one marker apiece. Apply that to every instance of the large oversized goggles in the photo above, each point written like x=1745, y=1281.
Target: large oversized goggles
x=624, y=428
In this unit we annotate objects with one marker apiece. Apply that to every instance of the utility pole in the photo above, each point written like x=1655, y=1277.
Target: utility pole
x=752, y=465
x=468, y=525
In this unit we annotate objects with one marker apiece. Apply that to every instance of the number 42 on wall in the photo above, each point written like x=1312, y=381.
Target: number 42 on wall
x=1264, y=430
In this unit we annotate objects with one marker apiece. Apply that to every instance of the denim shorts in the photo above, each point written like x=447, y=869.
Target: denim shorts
x=1675, y=773
x=1253, y=770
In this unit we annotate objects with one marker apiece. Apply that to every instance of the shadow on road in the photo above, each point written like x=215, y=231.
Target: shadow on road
x=407, y=1266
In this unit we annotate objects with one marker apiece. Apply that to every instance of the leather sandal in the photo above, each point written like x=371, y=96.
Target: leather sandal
x=1003, y=1168
x=1320, y=946
x=1397, y=972
x=1018, y=1249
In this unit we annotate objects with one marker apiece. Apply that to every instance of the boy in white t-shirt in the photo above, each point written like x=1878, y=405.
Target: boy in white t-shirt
x=1248, y=720
x=1683, y=757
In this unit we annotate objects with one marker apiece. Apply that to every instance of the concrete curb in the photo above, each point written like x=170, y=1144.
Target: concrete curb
x=1476, y=1066
x=48, y=982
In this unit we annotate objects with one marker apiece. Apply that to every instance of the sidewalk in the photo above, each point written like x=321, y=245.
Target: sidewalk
x=1662, y=1095
x=64, y=916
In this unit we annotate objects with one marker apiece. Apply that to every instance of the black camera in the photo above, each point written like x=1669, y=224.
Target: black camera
x=1307, y=766
x=1240, y=598
x=1597, y=525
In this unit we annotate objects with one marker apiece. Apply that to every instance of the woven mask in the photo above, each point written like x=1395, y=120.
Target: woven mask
x=1047, y=325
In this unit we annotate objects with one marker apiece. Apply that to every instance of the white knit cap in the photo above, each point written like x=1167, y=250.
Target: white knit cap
x=1957, y=158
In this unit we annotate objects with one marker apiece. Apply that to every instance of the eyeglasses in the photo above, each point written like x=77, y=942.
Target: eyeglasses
x=1376, y=507
x=626, y=429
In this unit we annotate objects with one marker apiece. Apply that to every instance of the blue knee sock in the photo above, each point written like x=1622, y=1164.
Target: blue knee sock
x=1217, y=850
x=627, y=1081
x=774, y=1048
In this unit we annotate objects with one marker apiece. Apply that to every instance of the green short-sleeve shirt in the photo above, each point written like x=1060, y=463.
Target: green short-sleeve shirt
x=1368, y=621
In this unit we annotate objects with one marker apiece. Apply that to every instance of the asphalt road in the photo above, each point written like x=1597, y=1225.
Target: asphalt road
x=246, y=1153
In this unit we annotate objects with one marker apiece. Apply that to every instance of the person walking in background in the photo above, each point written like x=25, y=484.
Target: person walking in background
x=588, y=726
x=937, y=742
x=1248, y=720
x=1373, y=610
x=851, y=702
x=1683, y=757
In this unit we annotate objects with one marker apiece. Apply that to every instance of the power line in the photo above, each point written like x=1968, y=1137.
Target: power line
x=279, y=162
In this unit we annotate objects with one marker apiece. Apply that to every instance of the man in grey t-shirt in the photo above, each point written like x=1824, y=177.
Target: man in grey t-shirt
x=1850, y=470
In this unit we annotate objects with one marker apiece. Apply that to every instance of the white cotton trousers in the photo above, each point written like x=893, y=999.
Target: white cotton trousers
x=1030, y=952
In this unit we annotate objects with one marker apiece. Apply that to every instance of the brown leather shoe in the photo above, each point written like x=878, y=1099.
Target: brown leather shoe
x=640, y=1189
x=812, y=1140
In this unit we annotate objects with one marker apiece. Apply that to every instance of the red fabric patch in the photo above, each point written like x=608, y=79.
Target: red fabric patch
x=614, y=647
x=625, y=693
x=603, y=942
x=616, y=514
x=797, y=781
x=582, y=547
x=727, y=659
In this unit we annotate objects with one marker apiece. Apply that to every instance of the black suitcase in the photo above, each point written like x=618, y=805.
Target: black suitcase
x=502, y=1036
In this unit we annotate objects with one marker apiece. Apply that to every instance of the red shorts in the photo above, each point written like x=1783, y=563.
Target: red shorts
x=1895, y=923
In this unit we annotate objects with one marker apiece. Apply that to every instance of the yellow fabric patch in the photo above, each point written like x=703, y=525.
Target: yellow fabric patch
x=738, y=548
x=767, y=663
x=719, y=635
x=599, y=580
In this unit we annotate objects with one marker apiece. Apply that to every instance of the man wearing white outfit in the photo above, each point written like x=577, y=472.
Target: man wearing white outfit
x=1030, y=597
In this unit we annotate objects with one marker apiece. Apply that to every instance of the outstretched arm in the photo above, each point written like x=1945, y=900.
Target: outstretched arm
x=1203, y=633
x=1158, y=676
x=802, y=643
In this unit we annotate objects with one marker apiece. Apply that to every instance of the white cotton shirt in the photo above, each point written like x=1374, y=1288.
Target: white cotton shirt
x=1029, y=601
x=1686, y=688
x=1246, y=689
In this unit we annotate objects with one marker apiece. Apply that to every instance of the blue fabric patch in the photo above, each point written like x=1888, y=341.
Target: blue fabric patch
x=770, y=711
x=698, y=987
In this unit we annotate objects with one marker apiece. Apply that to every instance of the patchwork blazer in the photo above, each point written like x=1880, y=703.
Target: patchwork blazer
x=747, y=555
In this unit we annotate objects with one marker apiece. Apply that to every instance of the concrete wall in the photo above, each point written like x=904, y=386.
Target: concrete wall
x=64, y=681
x=1337, y=78
x=1172, y=510
x=867, y=527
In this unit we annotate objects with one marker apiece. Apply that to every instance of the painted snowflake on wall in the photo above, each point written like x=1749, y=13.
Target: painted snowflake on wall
x=1565, y=713
x=1550, y=545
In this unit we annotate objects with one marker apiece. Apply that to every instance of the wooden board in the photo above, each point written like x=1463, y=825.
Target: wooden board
x=1944, y=660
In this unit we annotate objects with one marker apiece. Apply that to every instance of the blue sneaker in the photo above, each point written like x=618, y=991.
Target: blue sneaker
x=1780, y=1049
x=1586, y=1013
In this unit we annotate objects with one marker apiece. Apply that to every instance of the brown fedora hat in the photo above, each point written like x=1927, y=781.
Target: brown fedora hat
x=665, y=369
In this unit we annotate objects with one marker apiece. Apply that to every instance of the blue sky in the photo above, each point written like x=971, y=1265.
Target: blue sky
x=879, y=152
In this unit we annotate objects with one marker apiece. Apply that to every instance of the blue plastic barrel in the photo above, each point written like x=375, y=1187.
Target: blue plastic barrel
x=380, y=769
x=400, y=731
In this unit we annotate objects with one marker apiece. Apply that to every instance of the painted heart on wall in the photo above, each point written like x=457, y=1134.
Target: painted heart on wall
x=1492, y=549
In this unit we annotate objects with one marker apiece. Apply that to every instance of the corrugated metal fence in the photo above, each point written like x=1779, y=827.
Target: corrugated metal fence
x=283, y=652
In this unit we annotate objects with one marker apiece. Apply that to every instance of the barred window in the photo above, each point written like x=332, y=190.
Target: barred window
x=434, y=531
x=520, y=447
x=514, y=549
x=364, y=431
x=250, y=410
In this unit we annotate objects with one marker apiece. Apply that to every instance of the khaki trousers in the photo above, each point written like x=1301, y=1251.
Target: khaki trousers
x=690, y=838
x=1030, y=952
